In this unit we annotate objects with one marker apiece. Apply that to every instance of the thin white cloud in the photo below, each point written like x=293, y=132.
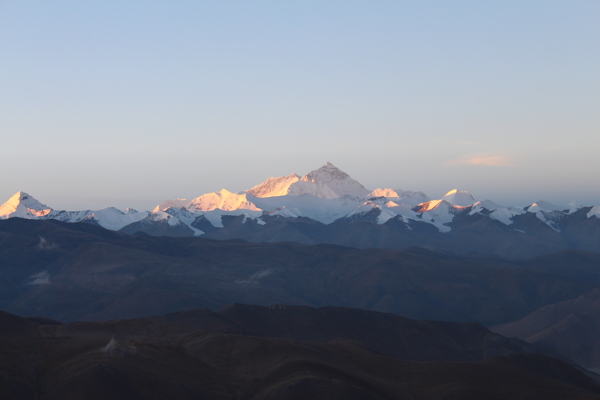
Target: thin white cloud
x=487, y=159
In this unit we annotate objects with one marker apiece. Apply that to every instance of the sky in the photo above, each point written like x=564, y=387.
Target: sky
x=130, y=103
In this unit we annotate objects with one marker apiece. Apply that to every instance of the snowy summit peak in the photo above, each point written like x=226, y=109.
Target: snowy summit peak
x=459, y=198
x=23, y=205
x=327, y=168
x=453, y=191
x=22, y=198
x=327, y=182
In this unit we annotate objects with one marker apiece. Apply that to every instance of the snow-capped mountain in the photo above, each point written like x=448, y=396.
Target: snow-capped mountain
x=326, y=196
x=23, y=205
x=459, y=198
x=273, y=187
x=223, y=200
x=439, y=213
x=495, y=211
x=327, y=182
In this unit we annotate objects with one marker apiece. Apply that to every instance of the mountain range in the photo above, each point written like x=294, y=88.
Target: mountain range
x=83, y=272
x=78, y=271
x=328, y=206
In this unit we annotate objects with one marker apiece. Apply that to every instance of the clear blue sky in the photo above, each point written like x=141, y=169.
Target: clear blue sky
x=132, y=103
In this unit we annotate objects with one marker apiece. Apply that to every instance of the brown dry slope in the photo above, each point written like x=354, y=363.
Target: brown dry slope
x=145, y=359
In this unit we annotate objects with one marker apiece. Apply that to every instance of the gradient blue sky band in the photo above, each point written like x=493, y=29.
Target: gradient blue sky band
x=132, y=103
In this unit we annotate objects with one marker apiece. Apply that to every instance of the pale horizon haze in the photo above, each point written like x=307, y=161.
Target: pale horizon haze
x=132, y=103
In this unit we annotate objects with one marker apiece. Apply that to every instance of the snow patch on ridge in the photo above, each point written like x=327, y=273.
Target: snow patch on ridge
x=497, y=212
x=182, y=215
x=215, y=216
x=285, y=212
x=574, y=206
x=438, y=213
x=594, y=212
x=547, y=212
x=384, y=214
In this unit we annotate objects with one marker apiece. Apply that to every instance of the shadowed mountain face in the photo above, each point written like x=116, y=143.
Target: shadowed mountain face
x=571, y=328
x=80, y=271
x=170, y=357
x=469, y=233
x=527, y=237
x=388, y=334
x=569, y=264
